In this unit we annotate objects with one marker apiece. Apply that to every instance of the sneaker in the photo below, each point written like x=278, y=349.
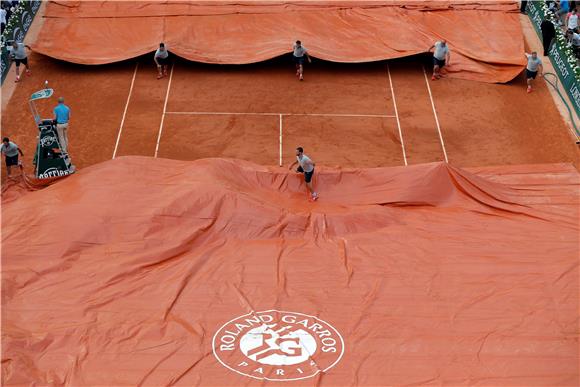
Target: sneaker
x=17, y=79
x=301, y=77
x=28, y=73
x=529, y=89
x=433, y=78
x=159, y=76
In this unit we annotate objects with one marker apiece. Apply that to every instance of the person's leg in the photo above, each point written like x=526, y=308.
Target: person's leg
x=435, y=72
x=8, y=170
x=442, y=70
x=17, y=70
x=65, y=133
x=26, y=67
x=308, y=179
x=61, y=137
x=301, y=68
x=530, y=76
x=546, y=43
x=435, y=69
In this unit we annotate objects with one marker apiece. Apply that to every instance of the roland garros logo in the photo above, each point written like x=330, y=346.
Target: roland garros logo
x=278, y=346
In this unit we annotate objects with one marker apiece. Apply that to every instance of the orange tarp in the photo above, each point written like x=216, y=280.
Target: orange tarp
x=143, y=271
x=485, y=39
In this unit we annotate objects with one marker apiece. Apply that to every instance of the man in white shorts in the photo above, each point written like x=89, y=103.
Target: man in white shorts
x=161, y=60
x=306, y=167
x=299, y=53
x=534, y=64
x=441, y=57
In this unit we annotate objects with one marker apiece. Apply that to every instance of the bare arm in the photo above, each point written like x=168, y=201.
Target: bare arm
x=21, y=154
x=541, y=68
x=27, y=46
x=430, y=48
x=308, y=57
x=292, y=165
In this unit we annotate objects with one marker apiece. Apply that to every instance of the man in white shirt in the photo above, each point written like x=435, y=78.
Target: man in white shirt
x=441, y=57
x=2, y=18
x=11, y=151
x=19, y=55
x=161, y=59
x=299, y=53
x=572, y=21
x=534, y=65
x=306, y=167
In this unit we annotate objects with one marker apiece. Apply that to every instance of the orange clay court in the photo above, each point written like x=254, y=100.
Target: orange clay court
x=443, y=250
x=345, y=114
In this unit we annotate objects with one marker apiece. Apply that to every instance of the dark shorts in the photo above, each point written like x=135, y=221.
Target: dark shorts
x=531, y=74
x=299, y=60
x=163, y=61
x=438, y=62
x=24, y=61
x=10, y=161
x=307, y=175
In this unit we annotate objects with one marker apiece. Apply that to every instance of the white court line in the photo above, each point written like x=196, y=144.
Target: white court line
x=164, y=110
x=435, y=113
x=125, y=111
x=280, y=139
x=282, y=114
x=397, y=115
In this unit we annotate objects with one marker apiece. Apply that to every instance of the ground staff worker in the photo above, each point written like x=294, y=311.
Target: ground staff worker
x=441, y=57
x=62, y=117
x=11, y=151
x=534, y=64
x=19, y=55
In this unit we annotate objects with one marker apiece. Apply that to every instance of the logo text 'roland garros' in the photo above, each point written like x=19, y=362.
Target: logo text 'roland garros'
x=278, y=346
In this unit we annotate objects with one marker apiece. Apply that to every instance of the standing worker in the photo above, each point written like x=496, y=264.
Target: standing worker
x=161, y=60
x=548, y=34
x=534, y=64
x=441, y=57
x=62, y=117
x=11, y=151
x=306, y=167
x=19, y=55
x=300, y=52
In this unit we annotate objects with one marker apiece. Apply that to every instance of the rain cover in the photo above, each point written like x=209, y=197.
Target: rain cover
x=142, y=271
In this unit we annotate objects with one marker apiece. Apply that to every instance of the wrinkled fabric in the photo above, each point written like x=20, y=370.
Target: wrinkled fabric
x=122, y=273
x=485, y=39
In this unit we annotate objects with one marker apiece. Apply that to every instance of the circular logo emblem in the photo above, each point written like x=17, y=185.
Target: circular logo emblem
x=277, y=345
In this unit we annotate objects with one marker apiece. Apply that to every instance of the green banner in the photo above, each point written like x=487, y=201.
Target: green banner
x=559, y=54
x=18, y=25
